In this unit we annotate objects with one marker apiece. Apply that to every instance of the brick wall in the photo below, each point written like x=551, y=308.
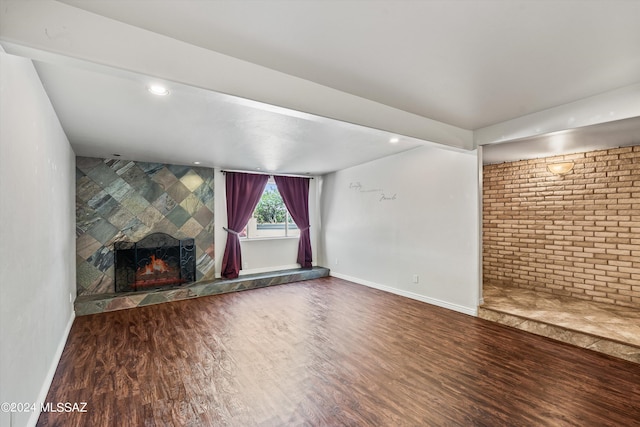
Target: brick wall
x=576, y=234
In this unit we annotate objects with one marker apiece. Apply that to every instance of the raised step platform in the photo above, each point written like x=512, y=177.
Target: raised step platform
x=92, y=304
x=600, y=327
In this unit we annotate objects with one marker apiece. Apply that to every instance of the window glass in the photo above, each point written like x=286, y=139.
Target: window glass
x=271, y=217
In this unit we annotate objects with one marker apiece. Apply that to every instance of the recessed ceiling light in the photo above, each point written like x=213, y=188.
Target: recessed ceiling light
x=394, y=140
x=115, y=155
x=158, y=90
x=196, y=163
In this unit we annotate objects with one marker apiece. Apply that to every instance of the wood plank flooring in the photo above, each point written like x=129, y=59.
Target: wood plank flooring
x=328, y=352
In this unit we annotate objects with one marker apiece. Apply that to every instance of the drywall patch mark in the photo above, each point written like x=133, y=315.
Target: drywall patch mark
x=59, y=35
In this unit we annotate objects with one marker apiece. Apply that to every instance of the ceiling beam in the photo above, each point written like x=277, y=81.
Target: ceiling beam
x=622, y=103
x=53, y=27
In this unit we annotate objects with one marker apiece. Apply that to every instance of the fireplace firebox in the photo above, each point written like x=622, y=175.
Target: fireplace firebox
x=158, y=260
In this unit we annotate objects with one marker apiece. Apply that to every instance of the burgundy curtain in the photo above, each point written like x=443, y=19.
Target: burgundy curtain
x=243, y=194
x=295, y=193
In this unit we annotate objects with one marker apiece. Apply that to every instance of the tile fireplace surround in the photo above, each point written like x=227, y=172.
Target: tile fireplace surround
x=122, y=200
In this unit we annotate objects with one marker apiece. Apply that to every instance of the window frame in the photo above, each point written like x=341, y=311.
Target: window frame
x=287, y=223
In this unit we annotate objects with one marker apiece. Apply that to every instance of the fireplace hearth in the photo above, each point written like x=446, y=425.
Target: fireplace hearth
x=158, y=260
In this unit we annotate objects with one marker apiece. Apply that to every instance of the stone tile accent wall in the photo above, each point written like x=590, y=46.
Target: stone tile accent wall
x=123, y=200
x=576, y=235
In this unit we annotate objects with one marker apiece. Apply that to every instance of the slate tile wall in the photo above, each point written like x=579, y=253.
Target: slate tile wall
x=124, y=200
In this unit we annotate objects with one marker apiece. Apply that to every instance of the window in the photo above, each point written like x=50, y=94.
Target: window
x=271, y=217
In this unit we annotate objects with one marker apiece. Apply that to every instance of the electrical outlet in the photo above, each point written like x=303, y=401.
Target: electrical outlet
x=245, y=265
x=337, y=261
x=70, y=297
x=416, y=278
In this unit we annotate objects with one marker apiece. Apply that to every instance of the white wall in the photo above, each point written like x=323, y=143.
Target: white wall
x=428, y=226
x=37, y=240
x=262, y=255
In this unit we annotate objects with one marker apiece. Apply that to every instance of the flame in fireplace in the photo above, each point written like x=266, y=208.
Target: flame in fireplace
x=155, y=266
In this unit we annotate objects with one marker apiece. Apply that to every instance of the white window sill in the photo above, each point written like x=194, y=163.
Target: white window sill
x=260, y=239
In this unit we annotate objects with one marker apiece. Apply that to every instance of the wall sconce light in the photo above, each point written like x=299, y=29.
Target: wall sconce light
x=561, y=168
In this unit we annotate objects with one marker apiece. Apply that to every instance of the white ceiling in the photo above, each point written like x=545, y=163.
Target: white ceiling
x=469, y=64
x=106, y=111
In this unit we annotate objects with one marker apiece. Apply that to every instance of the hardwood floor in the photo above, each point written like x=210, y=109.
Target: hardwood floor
x=328, y=352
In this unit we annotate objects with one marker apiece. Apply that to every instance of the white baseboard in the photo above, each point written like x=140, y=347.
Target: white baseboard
x=471, y=311
x=44, y=390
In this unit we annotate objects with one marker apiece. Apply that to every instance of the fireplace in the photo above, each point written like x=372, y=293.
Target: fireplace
x=158, y=260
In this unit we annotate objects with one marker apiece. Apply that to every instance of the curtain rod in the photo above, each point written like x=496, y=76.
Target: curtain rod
x=266, y=173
